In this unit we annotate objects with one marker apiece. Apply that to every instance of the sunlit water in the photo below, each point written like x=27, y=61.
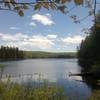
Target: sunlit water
x=56, y=70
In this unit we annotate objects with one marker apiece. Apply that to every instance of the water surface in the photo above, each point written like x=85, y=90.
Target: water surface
x=56, y=70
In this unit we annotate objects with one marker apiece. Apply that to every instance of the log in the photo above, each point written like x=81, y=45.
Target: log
x=82, y=74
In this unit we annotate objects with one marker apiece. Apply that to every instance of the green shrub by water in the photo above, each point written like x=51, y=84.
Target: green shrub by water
x=15, y=91
x=95, y=95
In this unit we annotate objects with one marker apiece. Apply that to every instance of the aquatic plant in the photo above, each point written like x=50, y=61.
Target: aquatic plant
x=15, y=91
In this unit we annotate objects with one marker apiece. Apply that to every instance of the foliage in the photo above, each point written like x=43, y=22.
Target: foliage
x=95, y=68
x=15, y=91
x=89, y=51
x=39, y=54
x=95, y=95
x=61, y=5
x=10, y=53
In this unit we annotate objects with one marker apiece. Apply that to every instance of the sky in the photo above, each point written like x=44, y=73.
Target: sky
x=44, y=30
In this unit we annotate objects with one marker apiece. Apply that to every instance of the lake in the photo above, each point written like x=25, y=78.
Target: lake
x=55, y=70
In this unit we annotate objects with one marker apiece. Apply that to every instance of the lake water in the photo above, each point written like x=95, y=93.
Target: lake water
x=56, y=70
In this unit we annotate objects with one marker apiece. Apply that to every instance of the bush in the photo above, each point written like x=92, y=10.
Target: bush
x=95, y=95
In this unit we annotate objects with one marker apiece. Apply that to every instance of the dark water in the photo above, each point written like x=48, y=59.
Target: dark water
x=56, y=70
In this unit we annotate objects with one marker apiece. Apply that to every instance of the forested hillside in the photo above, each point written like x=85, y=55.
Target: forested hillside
x=89, y=51
x=40, y=54
x=14, y=53
x=10, y=52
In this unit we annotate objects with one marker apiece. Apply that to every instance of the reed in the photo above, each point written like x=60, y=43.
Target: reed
x=41, y=90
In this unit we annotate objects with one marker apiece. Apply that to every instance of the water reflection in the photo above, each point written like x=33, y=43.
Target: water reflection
x=54, y=70
x=94, y=84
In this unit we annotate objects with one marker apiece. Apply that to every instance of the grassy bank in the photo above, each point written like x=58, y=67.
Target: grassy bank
x=15, y=91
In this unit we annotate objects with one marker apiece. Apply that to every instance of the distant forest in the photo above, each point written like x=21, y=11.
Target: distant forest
x=41, y=54
x=14, y=53
x=10, y=52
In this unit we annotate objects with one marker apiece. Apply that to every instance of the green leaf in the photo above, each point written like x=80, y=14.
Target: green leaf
x=17, y=8
x=21, y=13
x=98, y=25
x=78, y=2
x=62, y=8
x=37, y=6
x=25, y=6
x=64, y=1
x=13, y=2
x=53, y=6
x=46, y=5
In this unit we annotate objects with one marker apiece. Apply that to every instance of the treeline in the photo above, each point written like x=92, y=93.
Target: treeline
x=89, y=50
x=39, y=54
x=7, y=53
x=10, y=53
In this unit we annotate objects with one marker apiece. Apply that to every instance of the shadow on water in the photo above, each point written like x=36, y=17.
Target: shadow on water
x=94, y=84
x=92, y=80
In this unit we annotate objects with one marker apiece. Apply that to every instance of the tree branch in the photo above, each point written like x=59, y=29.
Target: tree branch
x=71, y=9
x=83, y=18
x=27, y=2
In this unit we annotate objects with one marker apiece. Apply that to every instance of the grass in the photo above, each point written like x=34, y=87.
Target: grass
x=95, y=95
x=15, y=91
x=10, y=90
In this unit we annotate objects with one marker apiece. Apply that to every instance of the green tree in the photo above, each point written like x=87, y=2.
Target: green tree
x=89, y=51
x=10, y=53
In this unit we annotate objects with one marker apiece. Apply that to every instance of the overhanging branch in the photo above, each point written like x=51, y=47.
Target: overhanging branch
x=27, y=2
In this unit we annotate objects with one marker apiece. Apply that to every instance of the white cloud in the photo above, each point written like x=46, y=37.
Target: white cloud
x=13, y=28
x=24, y=41
x=32, y=24
x=72, y=40
x=41, y=41
x=43, y=19
x=52, y=36
x=15, y=37
x=50, y=42
x=49, y=15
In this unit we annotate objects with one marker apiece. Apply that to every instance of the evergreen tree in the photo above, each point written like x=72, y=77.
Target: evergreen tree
x=10, y=53
x=89, y=51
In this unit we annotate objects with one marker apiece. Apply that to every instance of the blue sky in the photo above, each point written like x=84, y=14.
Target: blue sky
x=44, y=30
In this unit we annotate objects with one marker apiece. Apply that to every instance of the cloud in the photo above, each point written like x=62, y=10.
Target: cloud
x=72, y=39
x=52, y=36
x=27, y=42
x=32, y=24
x=15, y=37
x=43, y=19
x=49, y=15
x=41, y=41
x=49, y=42
x=13, y=28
